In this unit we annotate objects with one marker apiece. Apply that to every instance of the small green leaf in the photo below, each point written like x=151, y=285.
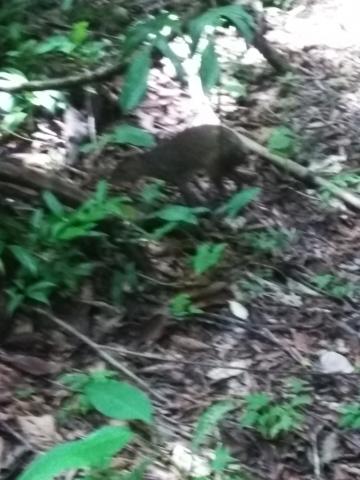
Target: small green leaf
x=209, y=420
x=282, y=141
x=180, y=213
x=127, y=134
x=209, y=68
x=93, y=451
x=238, y=202
x=207, y=255
x=135, y=82
x=222, y=459
x=53, y=204
x=79, y=32
x=26, y=259
x=119, y=400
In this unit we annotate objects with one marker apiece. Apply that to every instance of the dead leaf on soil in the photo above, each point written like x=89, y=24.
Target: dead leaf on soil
x=39, y=431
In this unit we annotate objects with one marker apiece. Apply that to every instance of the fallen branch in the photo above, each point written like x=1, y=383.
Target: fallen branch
x=17, y=174
x=100, y=352
x=301, y=172
x=102, y=73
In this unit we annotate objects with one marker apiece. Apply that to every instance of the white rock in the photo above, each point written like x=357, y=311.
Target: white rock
x=333, y=362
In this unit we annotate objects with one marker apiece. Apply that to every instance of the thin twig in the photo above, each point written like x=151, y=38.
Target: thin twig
x=100, y=352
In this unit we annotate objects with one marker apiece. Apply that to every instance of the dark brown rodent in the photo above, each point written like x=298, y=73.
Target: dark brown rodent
x=213, y=149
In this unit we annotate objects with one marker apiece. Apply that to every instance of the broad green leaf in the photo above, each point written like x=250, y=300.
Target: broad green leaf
x=209, y=420
x=238, y=202
x=25, y=258
x=53, y=204
x=209, y=68
x=207, y=255
x=119, y=400
x=128, y=134
x=135, y=82
x=93, y=451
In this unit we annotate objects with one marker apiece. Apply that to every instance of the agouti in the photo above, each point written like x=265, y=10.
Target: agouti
x=212, y=149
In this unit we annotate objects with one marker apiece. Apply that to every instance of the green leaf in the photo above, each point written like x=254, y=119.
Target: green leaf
x=53, y=204
x=135, y=82
x=222, y=459
x=236, y=14
x=56, y=43
x=180, y=213
x=79, y=32
x=93, y=451
x=209, y=68
x=119, y=400
x=24, y=257
x=16, y=299
x=282, y=141
x=207, y=255
x=239, y=17
x=40, y=291
x=127, y=134
x=238, y=202
x=209, y=420
x=181, y=306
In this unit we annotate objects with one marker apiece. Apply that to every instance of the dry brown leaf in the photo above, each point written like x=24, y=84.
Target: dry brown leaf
x=39, y=431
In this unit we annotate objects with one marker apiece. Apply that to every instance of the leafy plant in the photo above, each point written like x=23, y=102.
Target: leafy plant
x=350, y=416
x=334, y=286
x=182, y=306
x=209, y=421
x=274, y=418
x=349, y=180
x=207, y=255
x=270, y=240
x=282, y=141
x=48, y=255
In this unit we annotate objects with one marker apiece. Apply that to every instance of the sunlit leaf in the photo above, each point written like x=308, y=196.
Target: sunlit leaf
x=209, y=68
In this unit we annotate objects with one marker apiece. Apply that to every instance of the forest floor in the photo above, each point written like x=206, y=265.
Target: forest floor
x=271, y=309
